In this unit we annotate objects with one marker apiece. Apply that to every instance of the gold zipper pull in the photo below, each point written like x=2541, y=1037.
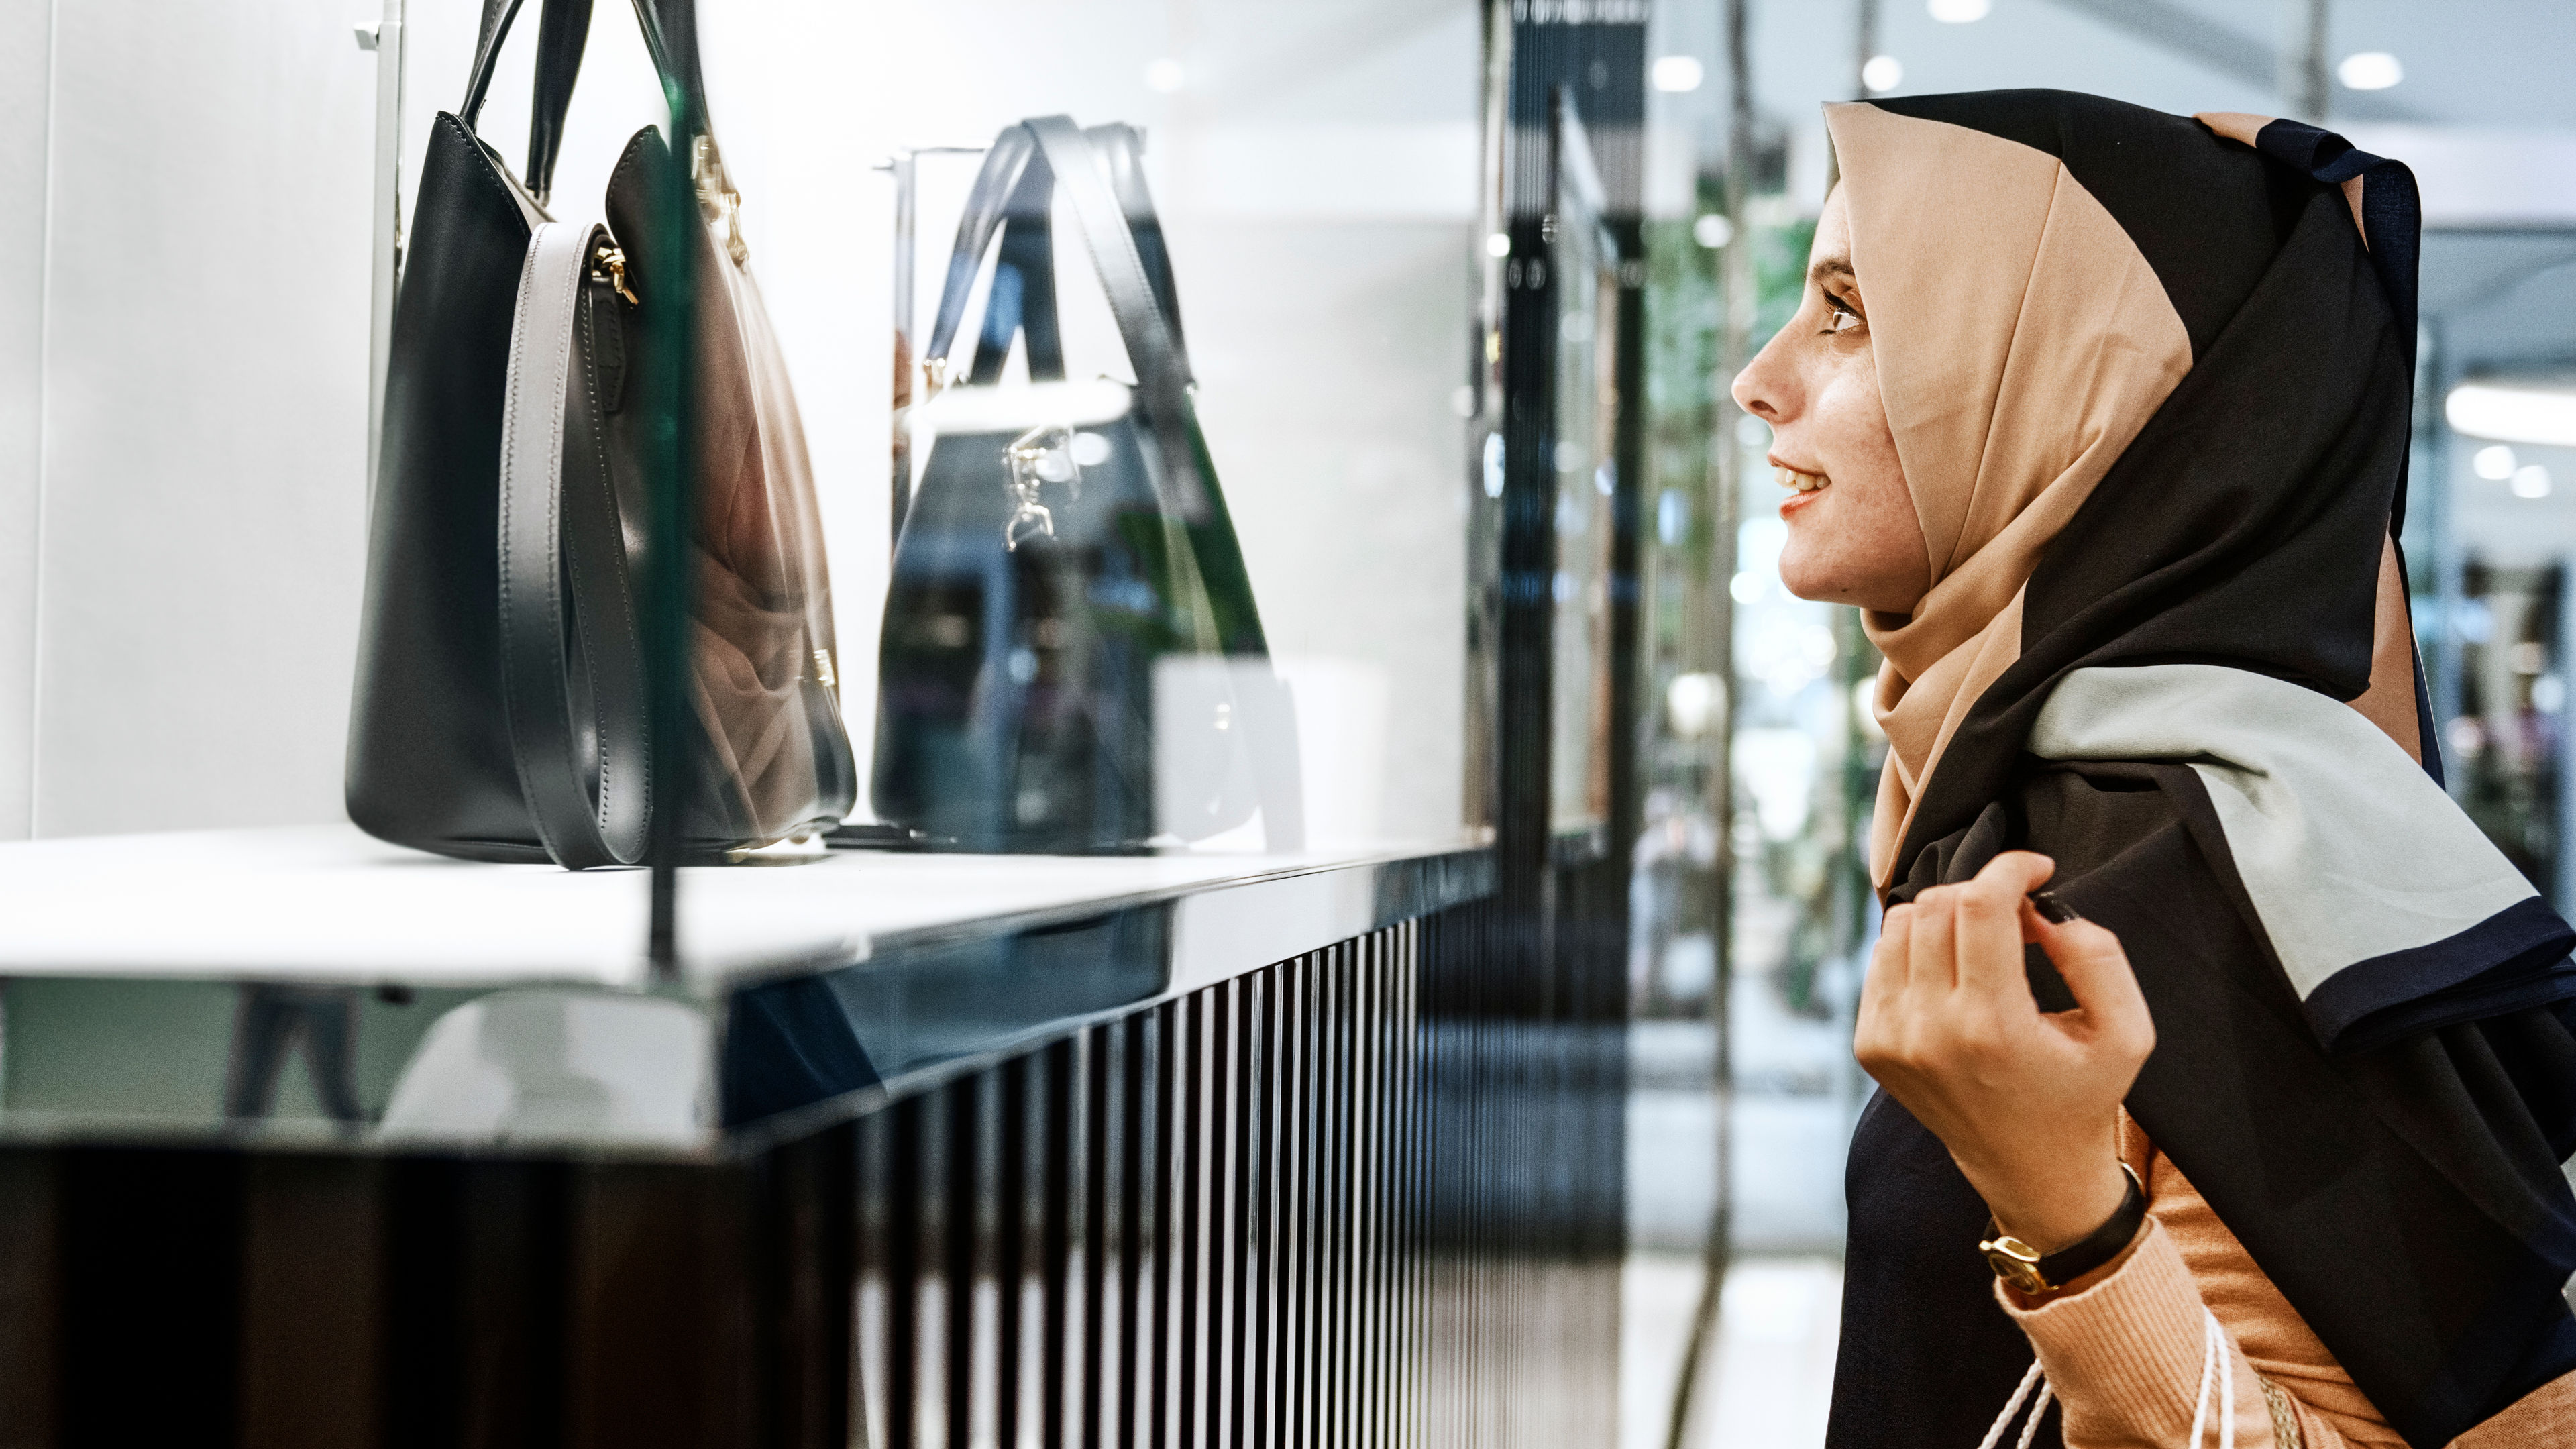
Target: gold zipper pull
x=614, y=260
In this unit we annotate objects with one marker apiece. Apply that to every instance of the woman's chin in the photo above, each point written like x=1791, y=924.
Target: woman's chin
x=1808, y=585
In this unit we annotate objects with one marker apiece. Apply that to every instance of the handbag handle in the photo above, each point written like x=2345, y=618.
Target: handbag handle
x=1011, y=195
x=561, y=36
x=1146, y=322
x=563, y=578
x=997, y=185
x=1094, y=168
x=670, y=35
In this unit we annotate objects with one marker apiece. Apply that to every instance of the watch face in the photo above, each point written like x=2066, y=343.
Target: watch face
x=2022, y=1276
x=2017, y=1263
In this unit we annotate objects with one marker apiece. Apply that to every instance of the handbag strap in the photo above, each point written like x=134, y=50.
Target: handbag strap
x=988, y=205
x=562, y=34
x=1012, y=195
x=1146, y=323
x=563, y=577
x=670, y=35
x=1147, y=317
x=1023, y=296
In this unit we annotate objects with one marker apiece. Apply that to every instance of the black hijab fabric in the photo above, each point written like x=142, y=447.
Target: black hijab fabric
x=2405, y=1195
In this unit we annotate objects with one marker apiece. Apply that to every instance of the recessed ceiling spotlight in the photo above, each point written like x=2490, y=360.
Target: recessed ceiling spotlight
x=1677, y=73
x=1883, y=73
x=1959, y=12
x=2495, y=464
x=2530, y=481
x=2370, y=70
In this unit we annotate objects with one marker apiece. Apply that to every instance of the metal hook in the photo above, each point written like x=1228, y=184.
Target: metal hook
x=1037, y=457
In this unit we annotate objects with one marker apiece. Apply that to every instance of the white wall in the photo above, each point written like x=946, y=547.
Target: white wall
x=25, y=59
x=183, y=338
x=182, y=466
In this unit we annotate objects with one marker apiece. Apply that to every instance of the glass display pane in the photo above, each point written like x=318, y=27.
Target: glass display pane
x=1586, y=288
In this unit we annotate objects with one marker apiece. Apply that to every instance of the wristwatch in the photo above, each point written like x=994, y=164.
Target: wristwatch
x=2025, y=1268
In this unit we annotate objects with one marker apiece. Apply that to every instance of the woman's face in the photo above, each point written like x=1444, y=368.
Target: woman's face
x=1853, y=536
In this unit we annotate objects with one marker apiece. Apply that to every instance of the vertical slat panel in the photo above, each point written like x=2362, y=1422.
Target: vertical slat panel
x=930, y=1297
x=968, y=1317
x=1346, y=1199
x=1259, y=1271
x=874, y=1308
x=1193, y=1206
x=1103, y=1084
x=311, y=1290
x=1136, y=1147
x=1296, y=1166
x=903, y=1204
x=30, y=1300
x=1058, y=1397
x=1014, y=1251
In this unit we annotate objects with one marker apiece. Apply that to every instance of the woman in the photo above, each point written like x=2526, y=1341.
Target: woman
x=2100, y=415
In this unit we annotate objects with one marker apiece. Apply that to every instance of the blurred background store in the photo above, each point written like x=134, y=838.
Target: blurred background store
x=1752, y=913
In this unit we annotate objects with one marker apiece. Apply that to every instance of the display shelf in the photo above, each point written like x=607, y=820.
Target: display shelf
x=312, y=986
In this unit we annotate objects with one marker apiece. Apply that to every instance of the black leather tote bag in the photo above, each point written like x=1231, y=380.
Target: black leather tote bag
x=1072, y=660
x=500, y=710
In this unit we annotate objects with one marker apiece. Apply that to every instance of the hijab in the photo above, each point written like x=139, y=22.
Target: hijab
x=2150, y=379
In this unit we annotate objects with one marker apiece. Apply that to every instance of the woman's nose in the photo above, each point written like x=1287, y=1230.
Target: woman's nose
x=1760, y=389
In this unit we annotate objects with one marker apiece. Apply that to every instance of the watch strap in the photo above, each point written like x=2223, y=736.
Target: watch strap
x=2025, y=1268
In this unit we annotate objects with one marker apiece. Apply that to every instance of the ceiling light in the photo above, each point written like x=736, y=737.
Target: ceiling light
x=1959, y=12
x=1712, y=231
x=1164, y=75
x=2493, y=463
x=1883, y=73
x=2530, y=481
x=2537, y=412
x=2370, y=70
x=1678, y=73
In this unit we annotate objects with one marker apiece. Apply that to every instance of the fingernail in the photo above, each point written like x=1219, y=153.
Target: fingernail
x=2053, y=910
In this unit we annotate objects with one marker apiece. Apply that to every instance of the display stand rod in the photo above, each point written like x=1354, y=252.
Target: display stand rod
x=900, y=483
x=385, y=38
x=2562, y=654
x=903, y=167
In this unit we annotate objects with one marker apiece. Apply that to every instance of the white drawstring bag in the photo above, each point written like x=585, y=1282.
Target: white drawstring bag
x=2217, y=1374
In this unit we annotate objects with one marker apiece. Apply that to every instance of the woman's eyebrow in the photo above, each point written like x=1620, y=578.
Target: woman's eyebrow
x=1830, y=267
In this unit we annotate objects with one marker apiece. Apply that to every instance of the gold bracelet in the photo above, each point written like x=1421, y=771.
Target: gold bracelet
x=2285, y=1420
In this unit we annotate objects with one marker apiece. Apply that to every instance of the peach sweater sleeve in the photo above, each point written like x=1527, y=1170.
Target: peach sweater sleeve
x=2125, y=1352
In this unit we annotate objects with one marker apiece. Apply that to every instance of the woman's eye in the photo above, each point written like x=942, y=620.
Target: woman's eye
x=1839, y=316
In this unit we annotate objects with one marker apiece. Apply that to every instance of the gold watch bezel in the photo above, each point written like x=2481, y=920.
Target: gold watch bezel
x=2016, y=1262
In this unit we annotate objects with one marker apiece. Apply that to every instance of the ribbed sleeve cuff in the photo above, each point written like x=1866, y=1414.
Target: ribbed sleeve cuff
x=2125, y=1354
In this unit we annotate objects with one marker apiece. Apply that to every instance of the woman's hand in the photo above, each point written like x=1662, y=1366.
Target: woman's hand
x=2027, y=1102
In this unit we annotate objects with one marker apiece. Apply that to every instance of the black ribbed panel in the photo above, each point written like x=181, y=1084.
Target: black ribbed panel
x=1367, y=1196
x=1199, y=1224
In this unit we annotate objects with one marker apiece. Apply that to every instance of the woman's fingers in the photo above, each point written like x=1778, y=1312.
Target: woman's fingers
x=1932, y=955
x=2097, y=973
x=1874, y=1023
x=1990, y=932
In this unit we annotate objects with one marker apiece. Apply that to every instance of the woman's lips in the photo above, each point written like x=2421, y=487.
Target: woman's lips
x=1803, y=486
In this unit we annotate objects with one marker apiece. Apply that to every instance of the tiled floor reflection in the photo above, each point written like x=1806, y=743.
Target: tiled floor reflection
x=1773, y=1368
x=1767, y=1381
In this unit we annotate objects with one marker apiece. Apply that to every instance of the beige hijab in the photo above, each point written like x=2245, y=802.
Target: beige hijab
x=2022, y=341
